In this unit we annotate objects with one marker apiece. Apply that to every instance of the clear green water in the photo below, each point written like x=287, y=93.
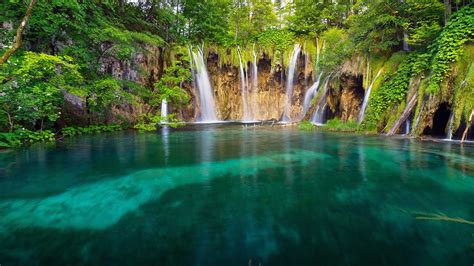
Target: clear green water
x=219, y=195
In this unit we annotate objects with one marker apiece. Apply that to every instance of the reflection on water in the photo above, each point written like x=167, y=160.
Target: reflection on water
x=213, y=195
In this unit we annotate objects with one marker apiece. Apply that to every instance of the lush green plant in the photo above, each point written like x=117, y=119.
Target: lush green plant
x=306, y=125
x=30, y=136
x=339, y=125
x=93, y=129
x=276, y=39
x=395, y=87
x=31, y=86
x=150, y=122
x=338, y=48
x=448, y=47
x=9, y=140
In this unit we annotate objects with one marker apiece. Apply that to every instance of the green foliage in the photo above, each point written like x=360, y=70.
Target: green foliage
x=341, y=126
x=276, y=39
x=376, y=27
x=9, y=140
x=449, y=45
x=150, y=122
x=31, y=86
x=464, y=93
x=395, y=87
x=169, y=87
x=29, y=136
x=338, y=47
x=306, y=125
x=421, y=21
x=93, y=129
x=104, y=93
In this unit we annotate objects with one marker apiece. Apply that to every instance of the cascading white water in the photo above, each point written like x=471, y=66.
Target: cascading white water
x=449, y=134
x=254, y=85
x=366, y=98
x=206, y=95
x=164, y=109
x=318, y=116
x=246, y=116
x=309, y=95
x=405, y=42
x=289, y=83
x=407, y=127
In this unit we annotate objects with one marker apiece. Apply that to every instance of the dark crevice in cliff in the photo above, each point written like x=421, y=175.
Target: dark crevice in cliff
x=345, y=100
x=457, y=134
x=440, y=122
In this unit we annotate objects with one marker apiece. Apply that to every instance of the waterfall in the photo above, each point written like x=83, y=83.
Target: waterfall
x=366, y=97
x=244, y=89
x=289, y=83
x=206, y=95
x=309, y=95
x=254, y=85
x=405, y=42
x=164, y=109
x=407, y=127
x=449, y=134
x=318, y=116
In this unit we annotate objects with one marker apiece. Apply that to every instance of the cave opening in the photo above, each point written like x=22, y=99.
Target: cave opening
x=457, y=134
x=440, y=122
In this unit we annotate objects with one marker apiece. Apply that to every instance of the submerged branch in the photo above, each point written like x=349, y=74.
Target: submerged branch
x=438, y=217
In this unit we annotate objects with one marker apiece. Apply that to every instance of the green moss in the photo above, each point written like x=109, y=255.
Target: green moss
x=306, y=125
x=394, y=86
x=341, y=126
x=464, y=83
x=448, y=46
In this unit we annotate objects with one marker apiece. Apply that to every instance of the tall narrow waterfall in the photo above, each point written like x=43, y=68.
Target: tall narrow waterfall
x=449, y=134
x=206, y=95
x=318, y=116
x=309, y=95
x=366, y=97
x=164, y=109
x=246, y=116
x=405, y=42
x=255, y=110
x=289, y=82
x=407, y=127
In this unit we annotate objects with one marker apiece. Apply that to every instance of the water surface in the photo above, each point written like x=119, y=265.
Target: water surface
x=227, y=195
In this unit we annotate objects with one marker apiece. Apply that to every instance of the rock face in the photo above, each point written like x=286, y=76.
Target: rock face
x=267, y=102
x=346, y=100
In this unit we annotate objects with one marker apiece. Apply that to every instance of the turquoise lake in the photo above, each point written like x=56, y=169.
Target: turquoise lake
x=228, y=195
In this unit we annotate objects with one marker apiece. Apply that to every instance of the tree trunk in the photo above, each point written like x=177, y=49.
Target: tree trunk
x=447, y=11
x=19, y=34
x=468, y=125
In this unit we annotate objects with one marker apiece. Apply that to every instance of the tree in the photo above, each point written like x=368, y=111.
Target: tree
x=170, y=85
x=19, y=34
x=31, y=88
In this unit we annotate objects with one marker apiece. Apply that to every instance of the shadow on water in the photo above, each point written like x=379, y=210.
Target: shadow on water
x=230, y=196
